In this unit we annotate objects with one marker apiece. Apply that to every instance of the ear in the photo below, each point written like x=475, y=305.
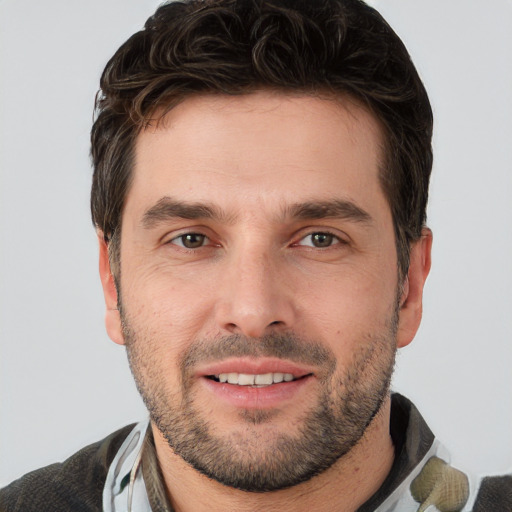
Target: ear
x=411, y=300
x=112, y=316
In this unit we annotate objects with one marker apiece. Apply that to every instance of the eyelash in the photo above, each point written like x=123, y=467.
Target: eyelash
x=182, y=236
x=332, y=238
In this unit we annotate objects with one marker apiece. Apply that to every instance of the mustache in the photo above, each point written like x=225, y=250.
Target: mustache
x=283, y=346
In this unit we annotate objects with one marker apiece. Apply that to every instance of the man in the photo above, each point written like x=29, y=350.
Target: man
x=260, y=183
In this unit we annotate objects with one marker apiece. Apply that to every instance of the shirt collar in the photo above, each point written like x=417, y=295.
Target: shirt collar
x=135, y=479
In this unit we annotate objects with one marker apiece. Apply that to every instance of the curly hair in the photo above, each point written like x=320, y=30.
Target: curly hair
x=338, y=47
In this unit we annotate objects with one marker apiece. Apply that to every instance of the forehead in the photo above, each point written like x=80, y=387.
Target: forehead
x=263, y=147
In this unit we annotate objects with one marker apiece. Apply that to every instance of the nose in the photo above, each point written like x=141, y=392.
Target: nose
x=255, y=295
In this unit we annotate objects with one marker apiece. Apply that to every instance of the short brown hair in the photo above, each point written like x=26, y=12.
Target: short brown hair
x=240, y=46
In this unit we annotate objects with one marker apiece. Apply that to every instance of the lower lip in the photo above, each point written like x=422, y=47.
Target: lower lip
x=249, y=397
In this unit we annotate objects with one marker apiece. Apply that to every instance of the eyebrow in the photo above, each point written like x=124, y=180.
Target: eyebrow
x=168, y=208
x=334, y=209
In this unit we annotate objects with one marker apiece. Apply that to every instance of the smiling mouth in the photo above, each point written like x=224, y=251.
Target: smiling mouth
x=255, y=380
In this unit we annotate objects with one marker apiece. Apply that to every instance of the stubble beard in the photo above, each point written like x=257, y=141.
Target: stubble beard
x=259, y=458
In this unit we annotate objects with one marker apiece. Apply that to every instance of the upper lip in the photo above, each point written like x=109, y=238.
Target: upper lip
x=257, y=366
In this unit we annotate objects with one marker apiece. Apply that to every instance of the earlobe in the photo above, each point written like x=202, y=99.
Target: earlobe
x=112, y=316
x=411, y=300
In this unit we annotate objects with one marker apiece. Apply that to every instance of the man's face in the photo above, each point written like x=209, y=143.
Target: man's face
x=259, y=283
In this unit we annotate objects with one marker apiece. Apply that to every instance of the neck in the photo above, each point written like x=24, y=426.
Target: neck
x=346, y=485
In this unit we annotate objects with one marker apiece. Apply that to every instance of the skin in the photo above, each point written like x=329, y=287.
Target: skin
x=259, y=272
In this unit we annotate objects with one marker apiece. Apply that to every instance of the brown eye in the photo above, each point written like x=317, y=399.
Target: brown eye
x=322, y=239
x=319, y=240
x=190, y=240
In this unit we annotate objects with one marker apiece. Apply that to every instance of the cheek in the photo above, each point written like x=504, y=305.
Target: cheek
x=352, y=298
x=353, y=315
x=167, y=301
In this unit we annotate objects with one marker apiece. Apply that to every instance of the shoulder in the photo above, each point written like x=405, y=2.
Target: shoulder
x=73, y=485
x=495, y=493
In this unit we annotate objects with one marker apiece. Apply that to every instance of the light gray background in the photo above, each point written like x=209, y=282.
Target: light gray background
x=64, y=384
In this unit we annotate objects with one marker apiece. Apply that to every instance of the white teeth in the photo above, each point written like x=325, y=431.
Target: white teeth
x=279, y=377
x=265, y=379
x=233, y=378
x=247, y=379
